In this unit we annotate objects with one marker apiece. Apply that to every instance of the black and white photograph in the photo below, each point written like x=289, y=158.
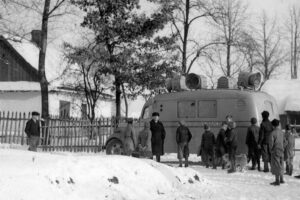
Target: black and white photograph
x=149, y=99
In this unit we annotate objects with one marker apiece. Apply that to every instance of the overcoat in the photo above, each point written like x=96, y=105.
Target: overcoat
x=158, y=137
x=276, y=148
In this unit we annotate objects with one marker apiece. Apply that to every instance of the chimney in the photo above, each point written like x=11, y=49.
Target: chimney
x=36, y=37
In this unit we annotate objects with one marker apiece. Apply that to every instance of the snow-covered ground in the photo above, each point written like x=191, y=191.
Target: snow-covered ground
x=82, y=176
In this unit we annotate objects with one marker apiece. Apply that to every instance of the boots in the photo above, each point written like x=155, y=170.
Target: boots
x=266, y=167
x=290, y=170
x=186, y=163
x=277, y=181
x=158, y=158
x=180, y=163
x=258, y=166
x=281, y=179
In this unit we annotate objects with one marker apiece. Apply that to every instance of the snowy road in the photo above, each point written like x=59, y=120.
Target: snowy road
x=252, y=185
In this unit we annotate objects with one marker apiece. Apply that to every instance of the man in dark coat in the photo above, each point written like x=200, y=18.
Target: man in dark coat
x=276, y=148
x=220, y=144
x=32, y=131
x=252, y=143
x=183, y=137
x=231, y=143
x=207, y=147
x=158, y=136
x=265, y=131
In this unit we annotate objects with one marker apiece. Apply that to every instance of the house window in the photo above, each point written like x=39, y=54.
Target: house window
x=64, y=109
x=186, y=109
x=84, y=110
x=207, y=109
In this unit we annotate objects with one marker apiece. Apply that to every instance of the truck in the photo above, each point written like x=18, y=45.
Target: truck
x=203, y=106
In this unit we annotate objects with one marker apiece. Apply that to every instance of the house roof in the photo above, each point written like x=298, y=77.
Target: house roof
x=54, y=63
x=286, y=94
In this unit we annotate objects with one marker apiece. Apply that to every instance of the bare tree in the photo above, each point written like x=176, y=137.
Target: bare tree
x=185, y=17
x=248, y=47
x=293, y=28
x=86, y=79
x=229, y=21
x=47, y=9
x=270, y=49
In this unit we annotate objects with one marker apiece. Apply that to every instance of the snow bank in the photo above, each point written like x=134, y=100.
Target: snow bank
x=286, y=93
x=28, y=175
x=20, y=86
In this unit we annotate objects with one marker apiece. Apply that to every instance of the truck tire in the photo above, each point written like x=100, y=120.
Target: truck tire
x=114, y=147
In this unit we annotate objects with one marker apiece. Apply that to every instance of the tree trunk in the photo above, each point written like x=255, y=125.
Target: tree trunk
x=228, y=65
x=118, y=97
x=295, y=55
x=185, y=36
x=42, y=57
x=125, y=100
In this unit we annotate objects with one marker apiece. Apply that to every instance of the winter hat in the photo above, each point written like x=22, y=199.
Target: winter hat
x=130, y=120
x=275, y=122
x=253, y=120
x=265, y=114
x=155, y=114
x=34, y=113
x=206, y=127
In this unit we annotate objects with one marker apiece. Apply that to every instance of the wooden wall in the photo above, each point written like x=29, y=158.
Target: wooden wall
x=13, y=67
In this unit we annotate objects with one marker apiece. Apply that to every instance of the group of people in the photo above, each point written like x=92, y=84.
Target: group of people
x=267, y=141
x=213, y=149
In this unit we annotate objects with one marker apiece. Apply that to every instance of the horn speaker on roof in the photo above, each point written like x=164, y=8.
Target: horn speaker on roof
x=249, y=80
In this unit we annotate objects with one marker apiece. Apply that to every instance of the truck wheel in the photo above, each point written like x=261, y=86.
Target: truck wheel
x=114, y=147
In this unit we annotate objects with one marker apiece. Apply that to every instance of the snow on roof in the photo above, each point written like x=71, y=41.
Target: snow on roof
x=286, y=93
x=54, y=63
x=292, y=103
x=11, y=86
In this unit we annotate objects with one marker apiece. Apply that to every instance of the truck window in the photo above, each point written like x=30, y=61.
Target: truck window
x=186, y=109
x=146, y=112
x=207, y=109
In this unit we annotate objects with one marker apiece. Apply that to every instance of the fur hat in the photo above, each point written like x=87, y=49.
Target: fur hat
x=275, y=122
x=206, y=127
x=265, y=114
x=155, y=114
x=253, y=120
x=34, y=113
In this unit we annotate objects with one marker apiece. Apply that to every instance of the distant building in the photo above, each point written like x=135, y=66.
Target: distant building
x=20, y=89
x=287, y=95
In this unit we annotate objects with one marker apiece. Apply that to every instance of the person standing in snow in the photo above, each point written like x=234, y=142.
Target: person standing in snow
x=183, y=137
x=158, y=136
x=220, y=144
x=207, y=147
x=289, y=145
x=265, y=131
x=144, y=141
x=252, y=143
x=129, y=138
x=231, y=143
x=32, y=131
x=277, y=153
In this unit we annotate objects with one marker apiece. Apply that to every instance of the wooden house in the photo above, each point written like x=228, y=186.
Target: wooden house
x=20, y=88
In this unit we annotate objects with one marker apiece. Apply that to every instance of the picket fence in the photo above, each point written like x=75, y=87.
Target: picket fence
x=57, y=134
